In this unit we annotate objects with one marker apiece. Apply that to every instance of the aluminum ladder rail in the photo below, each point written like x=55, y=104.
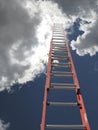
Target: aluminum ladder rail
x=59, y=46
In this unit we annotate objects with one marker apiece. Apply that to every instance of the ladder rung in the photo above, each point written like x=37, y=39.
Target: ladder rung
x=58, y=38
x=62, y=104
x=59, y=45
x=59, y=56
x=61, y=75
x=58, y=41
x=62, y=63
x=59, y=50
x=71, y=127
x=58, y=35
x=55, y=58
x=62, y=88
x=58, y=32
x=60, y=72
x=60, y=53
x=58, y=28
x=60, y=66
x=62, y=84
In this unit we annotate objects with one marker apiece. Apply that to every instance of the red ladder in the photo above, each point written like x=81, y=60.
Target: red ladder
x=60, y=57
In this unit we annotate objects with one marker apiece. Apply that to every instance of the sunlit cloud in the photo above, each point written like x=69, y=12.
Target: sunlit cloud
x=25, y=34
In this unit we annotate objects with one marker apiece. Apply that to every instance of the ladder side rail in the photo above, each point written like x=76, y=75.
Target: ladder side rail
x=47, y=85
x=77, y=87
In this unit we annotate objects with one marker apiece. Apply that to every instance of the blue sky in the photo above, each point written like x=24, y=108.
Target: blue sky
x=25, y=34
x=23, y=107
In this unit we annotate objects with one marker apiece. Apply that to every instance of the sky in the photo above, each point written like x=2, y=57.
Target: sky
x=25, y=34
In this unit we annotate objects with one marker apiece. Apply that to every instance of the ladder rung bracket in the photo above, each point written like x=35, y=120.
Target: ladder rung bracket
x=71, y=127
x=62, y=104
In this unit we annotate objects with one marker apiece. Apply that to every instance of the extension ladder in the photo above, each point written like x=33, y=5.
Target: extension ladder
x=60, y=58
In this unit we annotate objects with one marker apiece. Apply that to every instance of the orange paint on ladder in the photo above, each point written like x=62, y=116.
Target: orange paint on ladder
x=58, y=48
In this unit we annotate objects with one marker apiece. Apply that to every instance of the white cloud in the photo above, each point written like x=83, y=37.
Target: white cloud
x=88, y=42
x=3, y=125
x=86, y=10
x=25, y=34
x=17, y=35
